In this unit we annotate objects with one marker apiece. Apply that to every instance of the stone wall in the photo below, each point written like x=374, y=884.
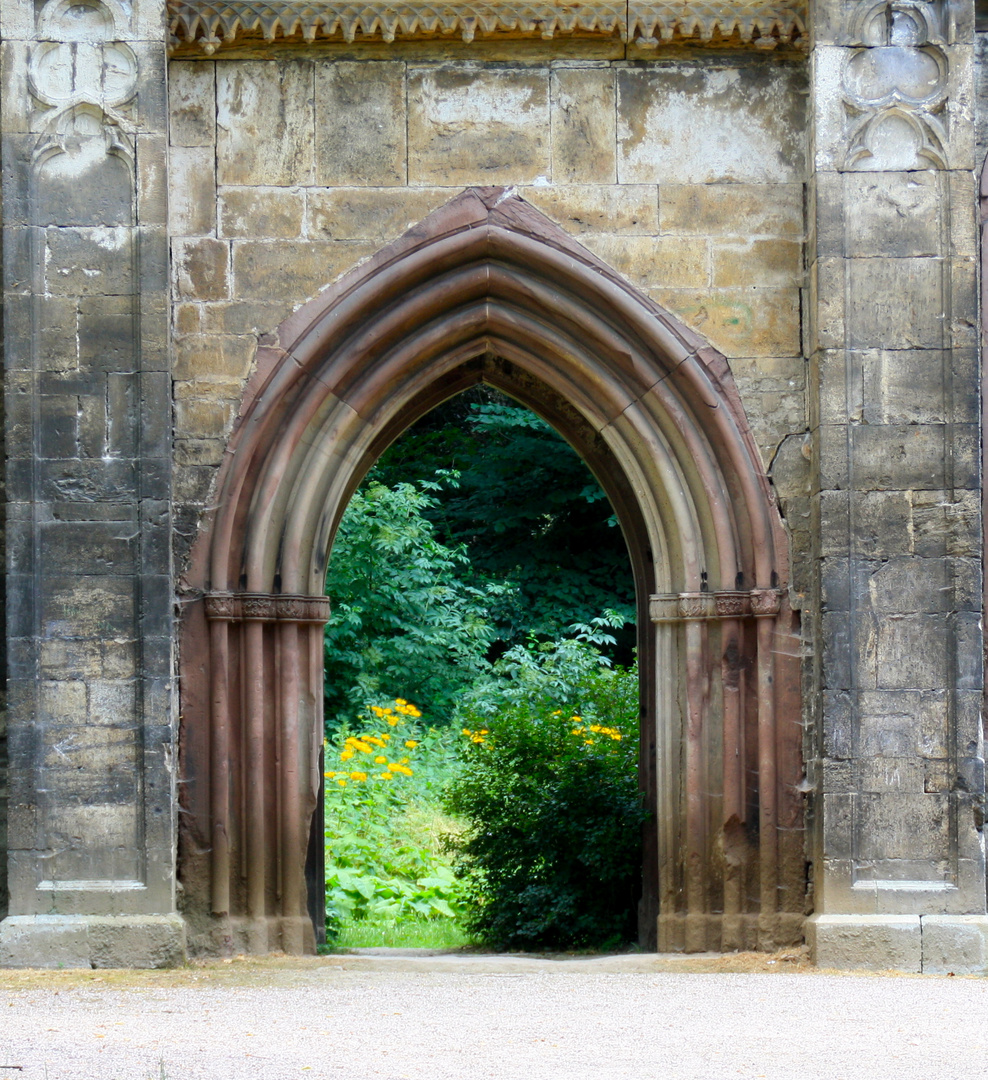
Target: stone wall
x=285, y=172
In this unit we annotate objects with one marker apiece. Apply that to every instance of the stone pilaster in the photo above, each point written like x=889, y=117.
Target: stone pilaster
x=89, y=622
x=898, y=768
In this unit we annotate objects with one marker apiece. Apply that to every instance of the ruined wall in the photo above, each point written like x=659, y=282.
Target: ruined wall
x=285, y=172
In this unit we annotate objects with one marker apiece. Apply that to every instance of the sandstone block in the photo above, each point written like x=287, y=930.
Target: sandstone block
x=265, y=123
x=897, y=457
x=192, y=103
x=748, y=322
x=360, y=123
x=291, y=270
x=583, y=126
x=626, y=210
x=89, y=261
x=482, y=126
x=956, y=944
x=895, y=303
x=266, y=212
x=212, y=357
x=201, y=268
x=203, y=418
x=368, y=213
x=88, y=941
x=757, y=262
x=732, y=210
x=192, y=183
x=677, y=124
x=654, y=262
x=894, y=214
x=865, y=942
x=897, y=833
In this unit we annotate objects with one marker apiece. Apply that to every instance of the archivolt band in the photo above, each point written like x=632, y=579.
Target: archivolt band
x=487, y=289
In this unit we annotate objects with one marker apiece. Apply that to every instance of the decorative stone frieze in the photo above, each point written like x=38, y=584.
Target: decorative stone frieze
x=733, y=604
x=239, y=607
x=212, y=24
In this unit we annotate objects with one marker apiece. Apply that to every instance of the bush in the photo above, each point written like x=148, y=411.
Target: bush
x=551, y=857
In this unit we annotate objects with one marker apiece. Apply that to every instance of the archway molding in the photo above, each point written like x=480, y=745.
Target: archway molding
x=488, y=289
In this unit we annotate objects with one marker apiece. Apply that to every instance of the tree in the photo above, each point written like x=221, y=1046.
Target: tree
x=406, y=618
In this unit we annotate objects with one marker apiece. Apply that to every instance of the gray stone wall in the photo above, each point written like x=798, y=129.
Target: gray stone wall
x=897, y=751
x=91, y=799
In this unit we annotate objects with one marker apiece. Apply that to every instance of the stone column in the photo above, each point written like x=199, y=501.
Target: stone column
x=89, y=618
x=897, y=771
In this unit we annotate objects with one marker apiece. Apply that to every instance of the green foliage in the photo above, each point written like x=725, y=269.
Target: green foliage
x=404, y=612
x=526, y=509
x=384, y=861
x=551, y=857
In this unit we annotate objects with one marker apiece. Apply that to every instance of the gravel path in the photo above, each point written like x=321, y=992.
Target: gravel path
x=470, y=1018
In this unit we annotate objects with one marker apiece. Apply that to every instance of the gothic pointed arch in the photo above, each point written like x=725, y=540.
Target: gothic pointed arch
x=488, y=289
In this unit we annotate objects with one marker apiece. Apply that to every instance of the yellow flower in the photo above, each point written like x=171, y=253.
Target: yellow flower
x=411, y=743
x=385, y=735
x=397, y=766
x=558, y=712
x=379, y=760
x=467, y=732
x=346, y=755
x=377, y=710
x=358, y=776
x=386, y=775
x=393, y=721
x=400, y=701
x=342, y=783
x=329, y=775
x=361, y=746
x=373, y=739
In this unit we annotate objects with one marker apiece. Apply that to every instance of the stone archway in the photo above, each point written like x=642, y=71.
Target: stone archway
x=488, y=289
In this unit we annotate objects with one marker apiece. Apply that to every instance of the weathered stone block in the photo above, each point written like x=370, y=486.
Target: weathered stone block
x=757, y=262
x=201, y=268
x=583, y=125
x=214, y=356
x=90, y=262
x=907, y=827
x=192, y=103
x=676, y=124
x=260, y=212
x=732, y=210
x=911, y=652
x=897, y=457
x=367, y=213
x=86, y=941
x=482, y=126
x=894, y=214
x=955, y=944
x=739, y=322
x=264, y=116
x=865, y=942
x=291, y=270
x=895, y=303
x=192, y=185
x=630, y=209
x=360, y=123
x=664, y=262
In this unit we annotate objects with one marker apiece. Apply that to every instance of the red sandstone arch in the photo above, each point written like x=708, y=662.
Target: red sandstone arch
x=487, y=288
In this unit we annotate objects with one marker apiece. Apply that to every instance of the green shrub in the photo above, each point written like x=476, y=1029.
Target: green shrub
x=551, y=857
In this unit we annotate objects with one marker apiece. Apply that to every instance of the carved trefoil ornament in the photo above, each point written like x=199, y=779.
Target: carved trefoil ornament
x=895, y=90
x=81, y=76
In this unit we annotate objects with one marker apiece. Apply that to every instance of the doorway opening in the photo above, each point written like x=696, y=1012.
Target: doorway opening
x=480, y=574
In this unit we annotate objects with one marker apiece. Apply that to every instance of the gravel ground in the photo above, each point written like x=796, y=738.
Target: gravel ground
x=421, y=1017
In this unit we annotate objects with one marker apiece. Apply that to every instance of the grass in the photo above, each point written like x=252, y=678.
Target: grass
x=405, y=933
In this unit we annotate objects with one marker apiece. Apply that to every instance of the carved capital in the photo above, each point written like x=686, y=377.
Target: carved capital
x=765, y=602
x=222, y=607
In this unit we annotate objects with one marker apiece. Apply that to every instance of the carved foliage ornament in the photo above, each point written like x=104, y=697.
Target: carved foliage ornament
x=681, y=607
x=213, y=22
